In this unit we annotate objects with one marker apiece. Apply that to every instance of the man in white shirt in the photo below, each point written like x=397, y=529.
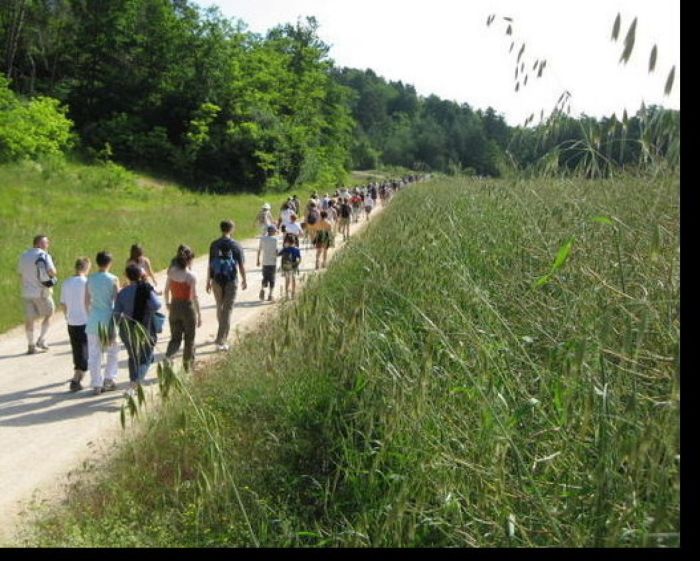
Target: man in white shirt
x=38, y=274
x=73, y=302
x=268, y=249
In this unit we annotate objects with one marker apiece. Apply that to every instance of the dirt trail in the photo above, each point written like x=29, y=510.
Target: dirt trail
x=46, y=431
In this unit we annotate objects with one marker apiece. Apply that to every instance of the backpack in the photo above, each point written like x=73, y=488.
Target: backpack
x=42, y=272
x=345, y=210
x=224, y=267
x=312, y=218
x=288, y=260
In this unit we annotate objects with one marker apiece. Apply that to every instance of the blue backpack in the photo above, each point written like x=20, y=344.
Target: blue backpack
x=224, y=267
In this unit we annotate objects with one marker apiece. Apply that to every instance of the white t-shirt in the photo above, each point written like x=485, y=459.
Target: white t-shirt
x=294, y=228
x=73, y=296
x=369, y=202
x=285, y=216
x=268, y=247
x=31, y=287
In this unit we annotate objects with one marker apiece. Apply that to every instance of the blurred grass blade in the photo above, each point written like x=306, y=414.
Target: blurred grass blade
x=616, y=28
x=669, y=81
x=629, y=42
x=652, y=59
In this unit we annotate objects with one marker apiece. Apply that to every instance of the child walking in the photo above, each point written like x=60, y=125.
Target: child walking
x=73, y=304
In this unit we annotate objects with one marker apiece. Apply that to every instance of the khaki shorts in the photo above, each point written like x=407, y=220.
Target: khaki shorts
x=35, y=308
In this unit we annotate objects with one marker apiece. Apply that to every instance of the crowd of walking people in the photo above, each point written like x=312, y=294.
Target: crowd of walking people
x=99, y=309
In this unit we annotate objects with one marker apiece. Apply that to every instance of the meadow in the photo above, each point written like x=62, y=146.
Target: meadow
x=493, y=363
x=87, y=208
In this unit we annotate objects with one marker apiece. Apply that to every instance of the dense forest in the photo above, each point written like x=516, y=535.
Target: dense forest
x=167, y=86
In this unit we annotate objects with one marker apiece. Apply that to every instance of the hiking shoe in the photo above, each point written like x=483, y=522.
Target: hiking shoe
x=32, y=350
x=42, y=345
x=109, y=386
x=270, y=298
x=97, y=390
x=75, y=386
x=223, y=347
x=262, y=294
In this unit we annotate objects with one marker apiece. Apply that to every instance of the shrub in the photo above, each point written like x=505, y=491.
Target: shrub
x=33, y=128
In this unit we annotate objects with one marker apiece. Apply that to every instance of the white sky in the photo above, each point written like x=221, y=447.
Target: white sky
x=444, y=47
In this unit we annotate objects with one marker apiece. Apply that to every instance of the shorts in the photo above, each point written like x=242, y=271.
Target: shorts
x=35, y=308
x=343, y=221
x=268, y=275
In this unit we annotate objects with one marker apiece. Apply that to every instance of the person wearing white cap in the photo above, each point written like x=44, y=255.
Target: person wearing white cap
x=264, y=218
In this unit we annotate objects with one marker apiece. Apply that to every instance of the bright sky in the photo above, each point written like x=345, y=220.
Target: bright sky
x=444, y=47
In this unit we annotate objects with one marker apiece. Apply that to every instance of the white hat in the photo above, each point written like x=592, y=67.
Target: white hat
x=266, y=206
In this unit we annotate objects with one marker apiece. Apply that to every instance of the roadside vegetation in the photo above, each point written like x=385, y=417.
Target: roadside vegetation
x=493, y=363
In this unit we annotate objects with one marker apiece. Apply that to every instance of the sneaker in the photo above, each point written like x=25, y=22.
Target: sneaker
x=75, y=386
x=262, y=294
x=42, y=345
x=270, y=298
x=97, y=390
x=32, y=350
x=109, y=386
x=223, y=347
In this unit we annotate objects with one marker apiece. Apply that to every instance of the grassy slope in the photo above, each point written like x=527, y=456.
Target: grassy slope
x=85, y=209
x=425, y=394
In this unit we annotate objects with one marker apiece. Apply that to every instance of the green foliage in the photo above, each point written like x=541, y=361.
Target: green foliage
x=33, y=128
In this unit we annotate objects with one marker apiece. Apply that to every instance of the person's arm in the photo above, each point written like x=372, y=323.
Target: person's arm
x=50, y=267
x=166, y=292
x=240, y=258
x=195, y=300
x=64, y=308
x=154, y=301
x=149, y=271
x=87, y=299
x=115, y=290
x=257, y=262
x=241, y=269
x=208, y=285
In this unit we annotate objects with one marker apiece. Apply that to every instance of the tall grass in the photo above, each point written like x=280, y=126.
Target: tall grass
x=85, y=209
x=428, y=391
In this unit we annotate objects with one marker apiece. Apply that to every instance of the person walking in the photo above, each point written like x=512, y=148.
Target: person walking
x=294, y=229
x=225, y=254
x=323, y=238
x=102, y=288
x=181, y=300
x=291, y=257
x=296, y=203
x=345, y=213
x=264, y=218
x=38, y=275
x=369, y=205
x=268, y=248
x=133, y=313
x=136, y=257
x=73, y=305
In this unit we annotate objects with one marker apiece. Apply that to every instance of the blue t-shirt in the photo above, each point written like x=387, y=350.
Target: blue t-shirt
x=102, y=288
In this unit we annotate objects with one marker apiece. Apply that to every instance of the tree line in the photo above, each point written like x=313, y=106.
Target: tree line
x=169, y=86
